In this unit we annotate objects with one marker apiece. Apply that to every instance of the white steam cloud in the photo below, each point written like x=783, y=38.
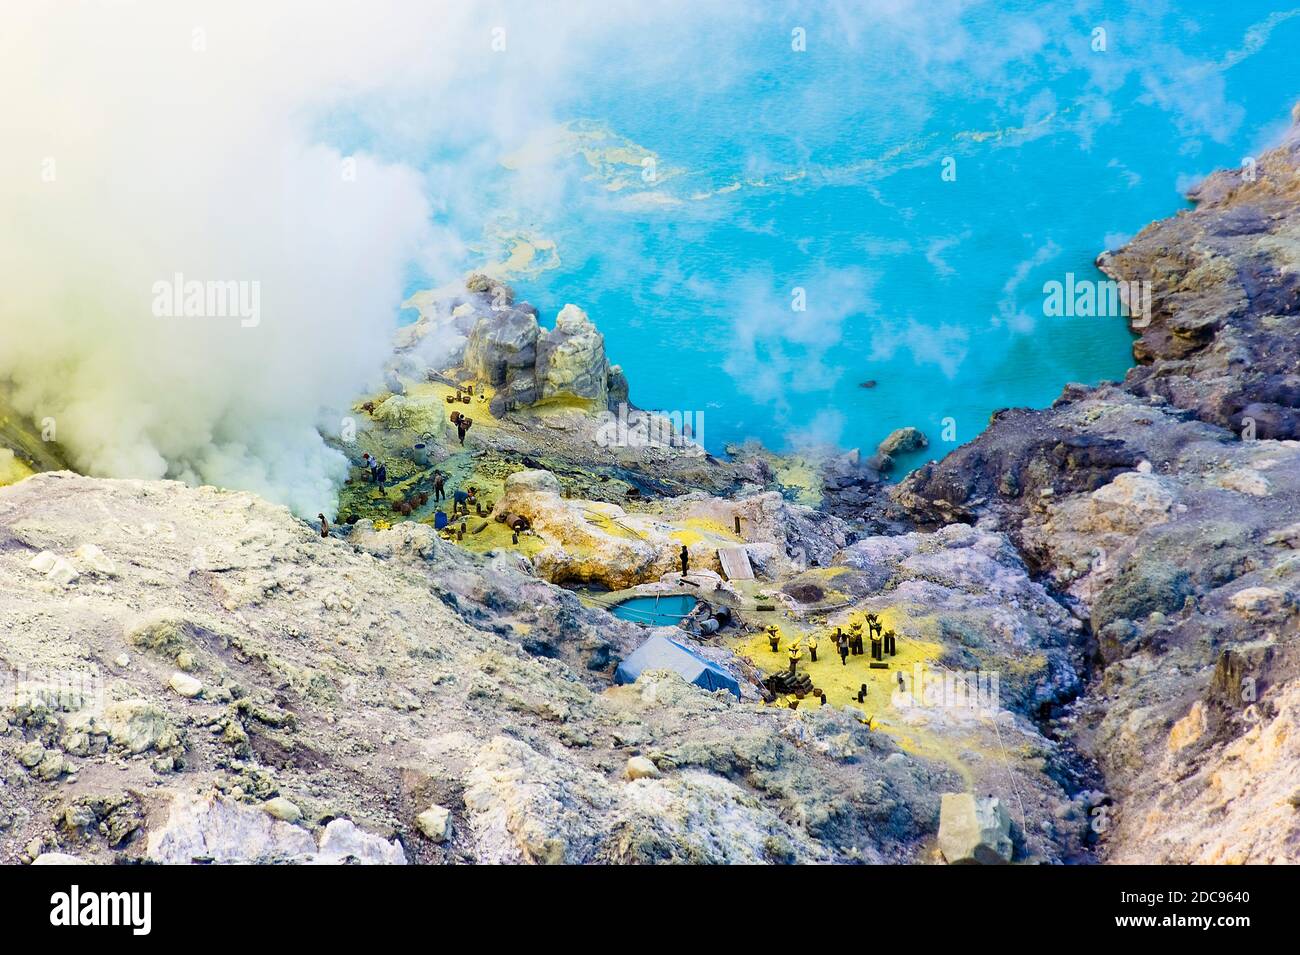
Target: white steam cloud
x=141, y=141
x=144, y=141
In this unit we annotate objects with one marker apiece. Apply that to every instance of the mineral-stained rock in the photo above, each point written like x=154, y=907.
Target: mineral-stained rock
x=435, y=823
x=30, y=754
x=526, y=807
x=165, y=631
x=139, y=725
x=1164, y=506
x=501, y=346
x=525, y=363
x=283, y=809
x=699, y=818
x=973, y=830
x=594, y=541
x=901, y=441
x=571, y=359
x=640, y=767
x=302, y=696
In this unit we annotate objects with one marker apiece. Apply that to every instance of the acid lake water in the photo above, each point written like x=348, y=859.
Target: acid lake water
x=760, y=231
x=655, y=611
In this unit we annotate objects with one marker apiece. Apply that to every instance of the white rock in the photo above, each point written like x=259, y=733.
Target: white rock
x=342, y=842
x=641, y=767
x=94, y=558
x=58, y=858
x=435, y=823
x=62, y=572
x=225, y=831
x=43, y=562
x=185, y=685
x=122, y=660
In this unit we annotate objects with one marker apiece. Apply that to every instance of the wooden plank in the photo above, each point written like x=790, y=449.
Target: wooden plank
x=735, y=563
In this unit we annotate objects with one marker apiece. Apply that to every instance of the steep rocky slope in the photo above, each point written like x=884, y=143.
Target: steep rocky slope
x=1166, y=507
x=206, y=677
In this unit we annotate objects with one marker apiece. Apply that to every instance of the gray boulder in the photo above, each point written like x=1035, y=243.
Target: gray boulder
x=502, y=346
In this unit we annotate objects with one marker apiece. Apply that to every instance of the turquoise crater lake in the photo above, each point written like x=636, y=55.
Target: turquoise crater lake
x=700, y=187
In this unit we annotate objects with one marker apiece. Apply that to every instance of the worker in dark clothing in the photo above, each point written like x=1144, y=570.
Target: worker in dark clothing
x=686, y=560
x=381, y=475
x=324, y=526
x=462, y=501
x=462, y=425
x=842, y=641
x=439, y=483
x=773, y=637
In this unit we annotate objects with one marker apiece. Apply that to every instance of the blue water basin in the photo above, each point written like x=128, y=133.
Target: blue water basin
x=656, y=611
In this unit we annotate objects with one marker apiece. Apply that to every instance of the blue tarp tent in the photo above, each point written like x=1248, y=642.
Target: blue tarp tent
x=660, y=653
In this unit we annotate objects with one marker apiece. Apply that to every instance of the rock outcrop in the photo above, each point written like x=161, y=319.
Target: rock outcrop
x=1162, y=507
x=571, y=359
x=330, y=671
x=525, y=363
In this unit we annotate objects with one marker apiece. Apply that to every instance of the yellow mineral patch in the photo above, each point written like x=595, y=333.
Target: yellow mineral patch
x=12, y=470
x=801, y=476
x=703, y=526
x=563, y=402
x=436, y=393
x=842, y=680
x=496, y=536
x=525, y=256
